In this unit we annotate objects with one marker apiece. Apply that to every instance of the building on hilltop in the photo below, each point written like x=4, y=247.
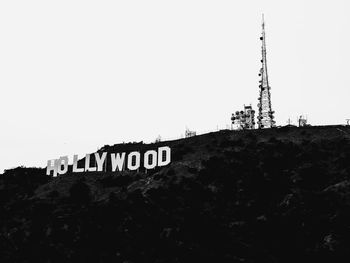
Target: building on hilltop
x=302, y=121
x=189, y=133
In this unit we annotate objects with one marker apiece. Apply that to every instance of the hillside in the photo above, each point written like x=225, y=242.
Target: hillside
x=274, y=195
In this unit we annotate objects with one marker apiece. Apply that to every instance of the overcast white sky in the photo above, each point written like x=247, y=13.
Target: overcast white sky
x=76, y=75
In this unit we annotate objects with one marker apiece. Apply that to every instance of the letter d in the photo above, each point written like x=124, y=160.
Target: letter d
x=164, y=155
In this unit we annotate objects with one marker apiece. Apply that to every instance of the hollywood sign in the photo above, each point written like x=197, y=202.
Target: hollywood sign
x=119, y=161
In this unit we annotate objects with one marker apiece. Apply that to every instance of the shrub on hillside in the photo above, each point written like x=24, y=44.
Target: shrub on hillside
x=116, y=180
x=80, y=192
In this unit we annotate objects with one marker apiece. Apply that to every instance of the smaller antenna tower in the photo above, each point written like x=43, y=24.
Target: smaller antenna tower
x=243, y=120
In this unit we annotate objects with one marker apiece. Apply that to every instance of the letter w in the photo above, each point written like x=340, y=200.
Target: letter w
x=117, y=161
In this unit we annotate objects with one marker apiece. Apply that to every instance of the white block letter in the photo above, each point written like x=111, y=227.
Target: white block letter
x=146, y=160
x=130, y=161
x=87, y=164
x=63, y=161
x=75, y=165
x=117, y=161
x=52, y=166
x=161, y=151
x=100, y=161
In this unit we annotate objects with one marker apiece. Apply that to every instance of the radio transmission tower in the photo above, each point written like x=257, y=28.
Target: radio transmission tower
x=265, y=116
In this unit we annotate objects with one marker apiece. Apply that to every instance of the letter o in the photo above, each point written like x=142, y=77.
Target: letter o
x=146, y=159
x=137, y=161
x=63, y=159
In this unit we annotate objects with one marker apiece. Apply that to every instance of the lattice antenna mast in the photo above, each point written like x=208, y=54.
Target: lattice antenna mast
x=265, y=115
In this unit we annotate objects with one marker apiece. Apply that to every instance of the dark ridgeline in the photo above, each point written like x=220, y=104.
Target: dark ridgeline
x=271, y=195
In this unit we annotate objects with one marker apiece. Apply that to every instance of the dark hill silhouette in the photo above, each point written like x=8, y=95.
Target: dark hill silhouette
x=274, y=195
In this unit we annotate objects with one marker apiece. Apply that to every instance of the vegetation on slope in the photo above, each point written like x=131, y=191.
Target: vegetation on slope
x=277, y=195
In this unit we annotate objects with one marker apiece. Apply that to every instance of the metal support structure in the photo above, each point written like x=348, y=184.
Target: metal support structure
x=265, y=112
x=243, y=120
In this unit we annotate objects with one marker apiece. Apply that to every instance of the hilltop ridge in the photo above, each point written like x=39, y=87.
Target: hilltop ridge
x=272, y=195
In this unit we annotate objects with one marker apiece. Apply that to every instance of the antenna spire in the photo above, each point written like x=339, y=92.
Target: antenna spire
x=263, y=21
x=265, y=117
